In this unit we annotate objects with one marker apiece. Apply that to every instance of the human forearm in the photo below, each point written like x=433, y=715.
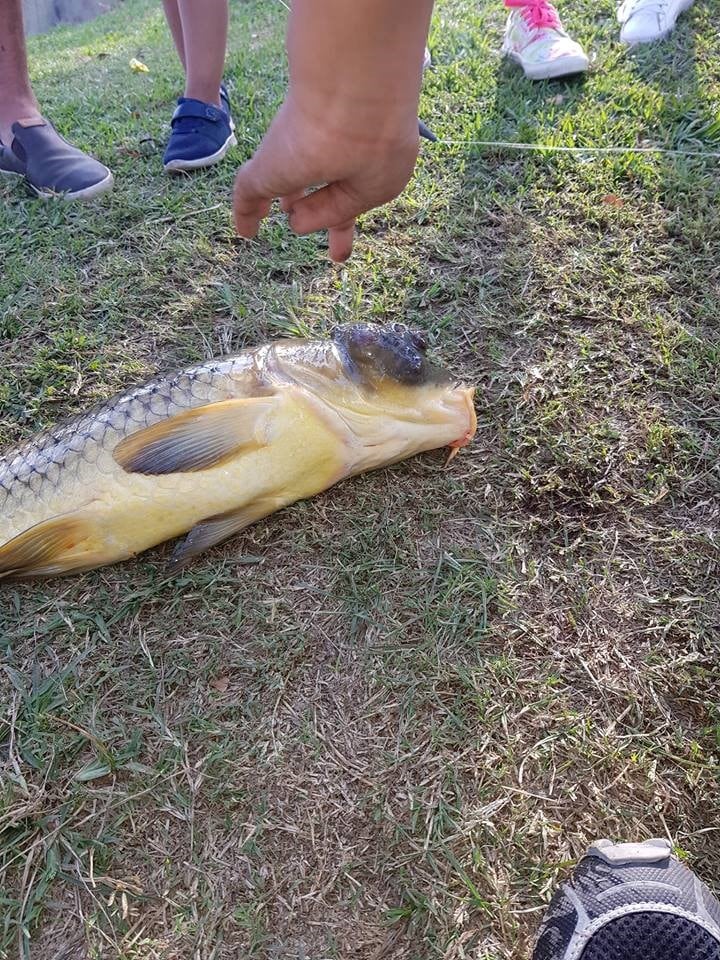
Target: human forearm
x=358, y=61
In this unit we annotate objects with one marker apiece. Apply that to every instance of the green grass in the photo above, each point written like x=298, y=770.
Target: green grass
x=384, y=722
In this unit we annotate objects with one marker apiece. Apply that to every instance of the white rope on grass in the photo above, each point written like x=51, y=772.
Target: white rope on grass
x=510, y=145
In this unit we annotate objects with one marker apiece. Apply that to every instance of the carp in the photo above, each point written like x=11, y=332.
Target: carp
x=211, y=449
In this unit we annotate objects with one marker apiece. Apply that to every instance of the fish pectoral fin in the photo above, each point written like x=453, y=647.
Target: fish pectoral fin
x=64, y=543
x=197, y=439
x=214, y=530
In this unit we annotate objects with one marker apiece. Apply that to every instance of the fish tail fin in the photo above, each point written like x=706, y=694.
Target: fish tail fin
x=62, y=544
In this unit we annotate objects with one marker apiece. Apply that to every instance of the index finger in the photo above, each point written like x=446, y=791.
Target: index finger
x=341, y=241
x=250, y=203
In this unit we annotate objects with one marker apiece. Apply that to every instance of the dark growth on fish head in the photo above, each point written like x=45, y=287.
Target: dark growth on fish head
x=373, y=353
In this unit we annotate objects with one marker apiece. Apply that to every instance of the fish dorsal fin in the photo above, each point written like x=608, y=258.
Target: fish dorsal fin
x=197, y=439
x=59, y=545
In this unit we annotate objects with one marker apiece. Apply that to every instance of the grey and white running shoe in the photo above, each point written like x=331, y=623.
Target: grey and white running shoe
x=631, y=901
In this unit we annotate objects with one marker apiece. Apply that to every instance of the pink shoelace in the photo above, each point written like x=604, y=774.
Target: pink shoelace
x=536, y=13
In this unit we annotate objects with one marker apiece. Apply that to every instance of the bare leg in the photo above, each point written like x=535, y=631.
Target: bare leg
x=17, y=100
x=199, y=29
x=172, y=15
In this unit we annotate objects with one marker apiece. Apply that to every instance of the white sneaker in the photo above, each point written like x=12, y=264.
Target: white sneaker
x=646, y=20
x=534, y=38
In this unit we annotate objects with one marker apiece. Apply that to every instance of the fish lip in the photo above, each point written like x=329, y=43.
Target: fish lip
x=464, y=440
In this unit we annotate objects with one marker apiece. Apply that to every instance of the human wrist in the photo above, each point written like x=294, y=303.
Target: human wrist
x=349, y=115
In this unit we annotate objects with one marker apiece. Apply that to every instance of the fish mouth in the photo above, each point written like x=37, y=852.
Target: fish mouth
x=462, y=441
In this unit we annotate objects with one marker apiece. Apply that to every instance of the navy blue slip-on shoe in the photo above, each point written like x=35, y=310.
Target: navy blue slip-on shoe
x=9, y=163
x=201, y=135
x=631, y=901
x=51, y=166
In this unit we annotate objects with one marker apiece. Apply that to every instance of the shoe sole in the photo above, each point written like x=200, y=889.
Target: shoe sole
x=565, y=67
x=87, y=193
x=183, y=165
x=11, y=173
x=658, y=36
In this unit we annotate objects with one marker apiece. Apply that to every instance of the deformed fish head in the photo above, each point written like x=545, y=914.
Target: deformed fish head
x=391, y=353
x=388, y=396
x=403, y=402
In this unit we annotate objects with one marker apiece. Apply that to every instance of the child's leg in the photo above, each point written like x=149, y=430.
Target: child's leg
x=199, y=29
x=172, y=15
x=200, y=136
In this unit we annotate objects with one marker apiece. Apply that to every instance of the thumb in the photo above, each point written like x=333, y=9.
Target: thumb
x=251, y=202
x=331, y=206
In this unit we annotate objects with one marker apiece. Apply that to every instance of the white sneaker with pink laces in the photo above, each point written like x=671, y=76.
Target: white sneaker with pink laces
x=535, y=38
x=642, y=21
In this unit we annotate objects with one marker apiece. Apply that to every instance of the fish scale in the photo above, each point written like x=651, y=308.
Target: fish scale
x=56, y=454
